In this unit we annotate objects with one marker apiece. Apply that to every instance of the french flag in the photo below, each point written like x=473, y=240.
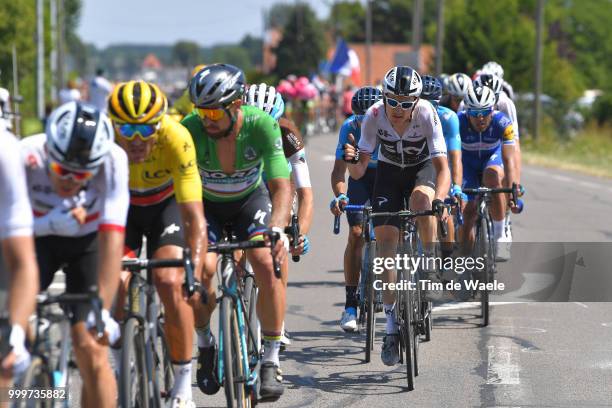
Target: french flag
x=345, y=62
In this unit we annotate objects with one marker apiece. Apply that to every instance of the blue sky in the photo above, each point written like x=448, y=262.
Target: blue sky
x=206, y=22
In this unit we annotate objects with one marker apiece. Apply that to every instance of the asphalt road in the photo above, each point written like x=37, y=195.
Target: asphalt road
x=532, y=354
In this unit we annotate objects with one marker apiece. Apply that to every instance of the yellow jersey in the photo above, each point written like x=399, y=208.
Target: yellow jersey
x=171, y=168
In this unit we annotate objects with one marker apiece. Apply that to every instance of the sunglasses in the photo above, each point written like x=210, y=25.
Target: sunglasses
x=395, y=103
x=211, y=114
x=129, y=131
x=475, y=113
x=65, y=173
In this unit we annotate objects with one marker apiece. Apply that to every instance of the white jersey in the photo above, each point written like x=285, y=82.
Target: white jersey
x=15, y=210
x=105, y=197
x=505, y=104
x=99, y=89
x=422, y=139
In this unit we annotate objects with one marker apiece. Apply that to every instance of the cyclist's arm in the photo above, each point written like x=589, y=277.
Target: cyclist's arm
x=111, y=230
x=367, y=144
x=508, y=152
x=276, y=167
x=437, y=149
x=338, y=182
x=453, y=147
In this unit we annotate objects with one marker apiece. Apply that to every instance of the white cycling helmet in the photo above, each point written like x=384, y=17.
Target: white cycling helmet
x=492, y=81
x=479, y=98
x=79, y=136
x=265, y=98
x=459, y=84
x=494, y=68
x=402, y=81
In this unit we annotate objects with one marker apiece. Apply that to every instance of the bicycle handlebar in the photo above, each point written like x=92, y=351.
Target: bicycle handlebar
x=514, y=190
x=293, y=231
x=76, y=298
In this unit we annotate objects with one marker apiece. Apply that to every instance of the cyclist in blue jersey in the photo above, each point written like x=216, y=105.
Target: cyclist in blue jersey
x=487, y=141
x=359, y=192
x=432, y=91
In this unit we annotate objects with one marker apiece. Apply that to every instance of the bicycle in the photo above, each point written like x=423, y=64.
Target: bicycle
x=239, y=351
x=51, y=360
x=370, y=301
x=412, y=311
x=143, y=359
x=484, y=244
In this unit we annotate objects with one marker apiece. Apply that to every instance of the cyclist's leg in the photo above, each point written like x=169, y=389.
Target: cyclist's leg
x=422, y=183
x=471, y=172
x=99, y=384
x=493, y=175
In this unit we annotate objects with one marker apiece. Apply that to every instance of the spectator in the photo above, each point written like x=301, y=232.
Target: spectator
x=70, y=93
x=99, y=89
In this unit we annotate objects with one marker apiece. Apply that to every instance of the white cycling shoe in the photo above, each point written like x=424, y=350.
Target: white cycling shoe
x=502, y=249
x=348, y=322
x=178, y=402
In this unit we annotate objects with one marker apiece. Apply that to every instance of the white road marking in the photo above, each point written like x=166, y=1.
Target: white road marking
x=503, y=363
x=581, y=304
x=328, y=157
x=609, y=324
x=566, y=179
x=468, y=305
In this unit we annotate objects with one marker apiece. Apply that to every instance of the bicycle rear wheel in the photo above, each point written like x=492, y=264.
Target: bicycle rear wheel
x=483, y=246
x=250, y=306
x=133, y=384
x=163, y=362
x=36, y=376
x=404, y=304
x=234, y=382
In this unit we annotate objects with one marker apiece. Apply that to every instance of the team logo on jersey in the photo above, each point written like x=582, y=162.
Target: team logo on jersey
x=375, y=111
x=259, y=216
x=186, y=147
x=183, y=167
x=382, y=200
x=154, y=175
x=249, y=153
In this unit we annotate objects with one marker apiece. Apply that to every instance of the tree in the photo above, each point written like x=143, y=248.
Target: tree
x=302, y=46
x=253, y=46
x=186, y=53
x=347, y=20
x=279, y=15
x=231, y=54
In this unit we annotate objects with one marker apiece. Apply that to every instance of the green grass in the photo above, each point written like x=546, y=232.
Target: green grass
x=30, y=126
x=590, y=151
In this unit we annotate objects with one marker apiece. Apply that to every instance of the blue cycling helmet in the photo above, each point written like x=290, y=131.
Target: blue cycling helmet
x=432, y=88
x=364, y=98
x=265, y=98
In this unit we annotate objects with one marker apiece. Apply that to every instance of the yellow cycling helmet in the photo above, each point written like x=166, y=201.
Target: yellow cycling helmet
x=137, y=102
x=197, y=69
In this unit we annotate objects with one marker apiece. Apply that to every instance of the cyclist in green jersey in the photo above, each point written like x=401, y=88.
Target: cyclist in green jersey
x=234, y=145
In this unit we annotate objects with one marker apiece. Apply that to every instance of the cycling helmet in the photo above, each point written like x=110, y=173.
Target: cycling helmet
x=443, y=78
x=402, y=81
x=432, y=88
x=479, y=98
x=458, y=84
x=216, y=86
x=494, y=68
x=137, y=102
x=490, y=80
x=265, y=98
x=364, y=98
x=79, y=136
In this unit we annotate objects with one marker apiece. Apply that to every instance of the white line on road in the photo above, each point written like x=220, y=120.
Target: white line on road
x=581, y=304
x=567, y=179
x=328, y=157
x=467, y=305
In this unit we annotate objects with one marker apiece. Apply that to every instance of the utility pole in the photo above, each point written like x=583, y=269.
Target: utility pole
x=440, y=37
x=16, y=96
x=53, y=53
x=40, y=64
x=538, y=69
x=368, y=50
x=60, y=44
x=416, y=32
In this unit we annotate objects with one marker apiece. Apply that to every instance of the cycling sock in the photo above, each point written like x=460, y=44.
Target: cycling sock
x=391, y=323
x=205, y=337
x=182, y=380
x=116, y=353
x=272, y=345
x=498, y=229
x=351, y=297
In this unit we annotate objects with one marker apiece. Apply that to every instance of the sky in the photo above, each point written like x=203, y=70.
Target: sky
x=206, y=22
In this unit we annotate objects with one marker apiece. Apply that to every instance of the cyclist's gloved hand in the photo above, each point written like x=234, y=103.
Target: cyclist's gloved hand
x=111, y=327
x=338, y=203
x=521, y=191
x=58, y=221
x=438, y=206
x=18, y=360
x=456, y=192
x=306, y=244
x=351, y=151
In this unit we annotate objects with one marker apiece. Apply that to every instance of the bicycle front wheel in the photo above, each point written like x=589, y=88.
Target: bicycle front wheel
x=484, y=250
x=234, y=381
x=369, y=300
x=133, y=384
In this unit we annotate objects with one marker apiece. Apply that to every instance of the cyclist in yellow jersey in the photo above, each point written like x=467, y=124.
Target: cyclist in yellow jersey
x=165, y=206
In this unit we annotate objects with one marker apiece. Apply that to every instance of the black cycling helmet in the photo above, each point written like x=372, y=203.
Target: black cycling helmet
x=364, y=98
x=216, y=86
x=432, y=88
x=402, y=81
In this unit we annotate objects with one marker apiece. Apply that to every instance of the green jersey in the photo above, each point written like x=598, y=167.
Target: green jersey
x=259, y=147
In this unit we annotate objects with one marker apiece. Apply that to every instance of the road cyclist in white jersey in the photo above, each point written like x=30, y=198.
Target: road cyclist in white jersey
x=18, y=268
x=412, y=166
x=78, y=187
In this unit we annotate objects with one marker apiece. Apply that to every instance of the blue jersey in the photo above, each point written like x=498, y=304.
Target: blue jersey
x=484, y=144
x=450, y=128
x=353, y=125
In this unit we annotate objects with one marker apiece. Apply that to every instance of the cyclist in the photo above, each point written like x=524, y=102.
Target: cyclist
x=457, y=87
x=432, y=91
x=78, y=187
x=495, y=68
x=412, y=166
x=270, y=101
x=18, y=269
x=234, y=143
x=165, y=207
x=359, y=191
x=487, y=139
